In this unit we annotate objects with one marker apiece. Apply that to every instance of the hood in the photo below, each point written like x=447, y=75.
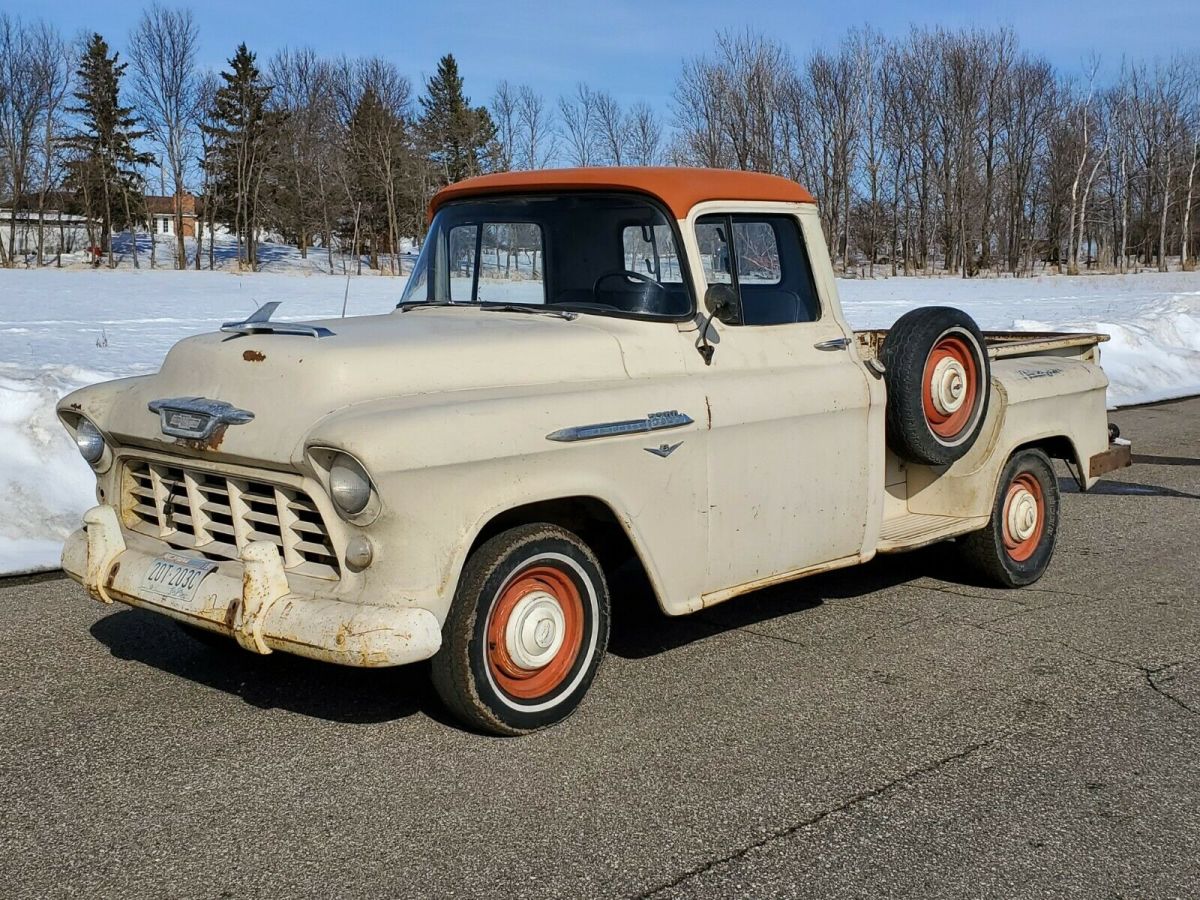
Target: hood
x=290, y=382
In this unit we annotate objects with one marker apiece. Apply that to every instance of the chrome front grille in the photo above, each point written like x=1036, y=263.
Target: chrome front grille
x=217, y=515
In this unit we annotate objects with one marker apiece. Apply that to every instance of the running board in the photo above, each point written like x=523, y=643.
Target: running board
x=915, y=530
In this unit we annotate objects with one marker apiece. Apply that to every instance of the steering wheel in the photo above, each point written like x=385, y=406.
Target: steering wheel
x=628, y=273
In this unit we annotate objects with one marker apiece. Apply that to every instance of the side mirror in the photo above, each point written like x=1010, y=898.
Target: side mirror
x=722, y=302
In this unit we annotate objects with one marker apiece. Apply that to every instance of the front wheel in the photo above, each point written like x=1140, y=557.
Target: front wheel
x=526, y=632
x=1016, y=546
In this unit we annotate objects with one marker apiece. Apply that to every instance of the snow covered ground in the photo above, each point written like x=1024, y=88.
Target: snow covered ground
x=61, y=329
x=272, y=257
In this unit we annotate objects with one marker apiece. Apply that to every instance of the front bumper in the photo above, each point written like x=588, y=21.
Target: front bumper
x=256, y=608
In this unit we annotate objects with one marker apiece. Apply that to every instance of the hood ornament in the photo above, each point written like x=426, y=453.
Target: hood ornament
x=259, y=322
x=197, y=418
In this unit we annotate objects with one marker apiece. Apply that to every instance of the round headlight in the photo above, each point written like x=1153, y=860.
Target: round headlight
x=89, y=441
x=349, y=485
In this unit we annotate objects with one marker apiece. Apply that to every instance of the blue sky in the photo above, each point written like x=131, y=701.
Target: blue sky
x=632, y=48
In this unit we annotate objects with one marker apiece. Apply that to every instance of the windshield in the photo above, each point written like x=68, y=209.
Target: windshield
x=588, y=252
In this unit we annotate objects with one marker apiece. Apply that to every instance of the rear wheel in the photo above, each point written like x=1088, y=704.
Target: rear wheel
x=526, y=633
x=1016, y=546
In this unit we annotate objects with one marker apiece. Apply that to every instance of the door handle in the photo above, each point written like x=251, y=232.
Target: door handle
x=838, y=343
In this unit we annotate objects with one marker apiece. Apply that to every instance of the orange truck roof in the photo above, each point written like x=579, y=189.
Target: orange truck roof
x=679, y=189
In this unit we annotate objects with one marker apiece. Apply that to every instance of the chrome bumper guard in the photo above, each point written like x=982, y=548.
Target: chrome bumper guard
x=257, y=609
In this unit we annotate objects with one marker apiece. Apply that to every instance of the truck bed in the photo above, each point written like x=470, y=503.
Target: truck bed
x=1005, y=344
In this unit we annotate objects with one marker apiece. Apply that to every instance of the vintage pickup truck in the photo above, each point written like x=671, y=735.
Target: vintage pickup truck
x=587, y=367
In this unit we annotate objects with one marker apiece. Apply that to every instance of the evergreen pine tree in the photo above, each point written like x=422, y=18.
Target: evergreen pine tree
x=240, y=142
x=104, y=169
x=457, y=136
x=372, y=126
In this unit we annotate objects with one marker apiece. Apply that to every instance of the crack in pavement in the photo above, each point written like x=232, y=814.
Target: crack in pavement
x=1159, y=689
x=841, y=806
x=1147, y=672
x=953, y=593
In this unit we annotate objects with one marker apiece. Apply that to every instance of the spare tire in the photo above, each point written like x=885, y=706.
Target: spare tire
x=938, y=382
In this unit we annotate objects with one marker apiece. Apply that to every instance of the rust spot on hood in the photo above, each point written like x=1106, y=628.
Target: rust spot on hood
x=254, y=356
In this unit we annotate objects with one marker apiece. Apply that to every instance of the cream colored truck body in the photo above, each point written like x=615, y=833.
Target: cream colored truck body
x=782, y=470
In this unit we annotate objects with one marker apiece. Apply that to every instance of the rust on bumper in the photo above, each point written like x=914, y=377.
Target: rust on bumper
x=1118, y=455
x=254, y=607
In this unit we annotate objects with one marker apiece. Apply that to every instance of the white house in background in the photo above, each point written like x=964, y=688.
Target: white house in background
x=61, y=232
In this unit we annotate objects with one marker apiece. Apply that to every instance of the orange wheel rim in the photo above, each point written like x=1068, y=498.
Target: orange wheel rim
x=949, y=387
x=535, y=632
x=1023, y=516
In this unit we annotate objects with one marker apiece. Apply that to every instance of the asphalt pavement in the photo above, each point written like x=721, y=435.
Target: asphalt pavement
x=895, y=729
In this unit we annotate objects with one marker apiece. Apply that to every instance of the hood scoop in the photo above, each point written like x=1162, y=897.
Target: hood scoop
x=259, y=322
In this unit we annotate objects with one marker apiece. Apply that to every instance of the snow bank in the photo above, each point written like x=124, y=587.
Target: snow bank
x=1153, y=319
x=44, y=480
x=60, y=330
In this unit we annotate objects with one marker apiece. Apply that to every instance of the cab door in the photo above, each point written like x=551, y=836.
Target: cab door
x=789, y=401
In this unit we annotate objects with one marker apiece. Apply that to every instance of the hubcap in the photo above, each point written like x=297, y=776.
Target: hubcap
x=535, y=630
x=1022, y=514
x=951, y=388
x=949, y=385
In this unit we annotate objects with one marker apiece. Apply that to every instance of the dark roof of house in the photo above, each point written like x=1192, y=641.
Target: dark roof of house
x=166, y=205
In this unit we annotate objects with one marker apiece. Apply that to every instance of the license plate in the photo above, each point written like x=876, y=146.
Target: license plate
x=176, y=577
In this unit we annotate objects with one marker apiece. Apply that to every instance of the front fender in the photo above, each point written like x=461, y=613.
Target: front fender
x=445, y=466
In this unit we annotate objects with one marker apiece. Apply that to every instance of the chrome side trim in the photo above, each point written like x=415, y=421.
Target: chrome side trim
x=196, y=418
x=259, y=322
x=837, y=343
x=653, y=422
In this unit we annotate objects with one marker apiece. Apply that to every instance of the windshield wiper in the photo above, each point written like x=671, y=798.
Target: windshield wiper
x=418, y=304
x=536, y=310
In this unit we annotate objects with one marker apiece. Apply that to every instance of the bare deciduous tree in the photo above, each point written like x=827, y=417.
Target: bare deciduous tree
x=645, y=136
x=536, y=144
x=22, y=103
x=162, y=48
x=614, y=129
x=578, y=120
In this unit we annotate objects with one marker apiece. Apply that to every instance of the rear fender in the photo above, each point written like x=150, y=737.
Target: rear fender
x=1052, y=403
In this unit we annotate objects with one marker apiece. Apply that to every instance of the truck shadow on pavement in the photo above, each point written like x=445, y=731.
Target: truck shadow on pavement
x=1127, y=488
x=1142, y=459
x=276, y=681
x=640, y=629
x=369, y=696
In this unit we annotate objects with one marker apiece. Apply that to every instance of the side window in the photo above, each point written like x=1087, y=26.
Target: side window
x=757, y=253
x=650, y=250
x=768, y=266
x=712, y=233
